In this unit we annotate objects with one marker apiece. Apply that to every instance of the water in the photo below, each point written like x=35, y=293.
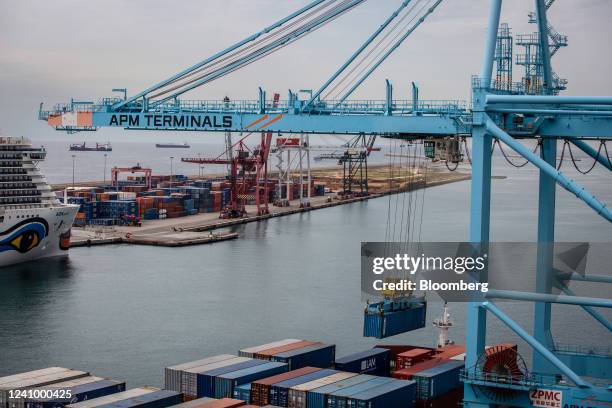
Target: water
x=128, y=311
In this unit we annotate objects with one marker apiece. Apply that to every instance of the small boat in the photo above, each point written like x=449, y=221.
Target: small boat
x=100, y=147
x=183, y=145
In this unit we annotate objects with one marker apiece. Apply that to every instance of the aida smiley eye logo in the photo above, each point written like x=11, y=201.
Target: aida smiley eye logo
x=24, y=236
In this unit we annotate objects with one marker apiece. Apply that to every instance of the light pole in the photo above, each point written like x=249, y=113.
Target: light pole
x=73, y=163
x=171, y=175
x=199, y=165
x=105, y=156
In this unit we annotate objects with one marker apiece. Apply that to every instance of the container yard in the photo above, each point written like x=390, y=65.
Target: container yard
x=127, y=278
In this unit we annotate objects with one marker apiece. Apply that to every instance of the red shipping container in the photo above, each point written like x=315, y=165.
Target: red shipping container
x=260, y=389
x=407, y=373
x=223, y=403
x=412, y=357
x=450, y=350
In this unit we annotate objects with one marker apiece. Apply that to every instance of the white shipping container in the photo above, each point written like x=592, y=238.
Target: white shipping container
x=189, y=379
x=37, y=378
x=298, y=394
x=173, y=374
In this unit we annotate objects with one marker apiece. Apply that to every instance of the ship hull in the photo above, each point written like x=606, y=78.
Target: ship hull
x=35, y=233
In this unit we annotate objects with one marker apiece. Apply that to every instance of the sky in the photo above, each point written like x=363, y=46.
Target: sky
x=51, y=51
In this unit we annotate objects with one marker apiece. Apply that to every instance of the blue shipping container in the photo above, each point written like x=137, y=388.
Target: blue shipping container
x=375, y=361
x=339, y=398
x=381, y=325
x=317, y=355
x=436, y=381
x=206, y=379
x=225, y=383
x=243, y=393
x=79, y=393
x=396, y=394
x=157, y=399
x=279, y=393
x=317, y=398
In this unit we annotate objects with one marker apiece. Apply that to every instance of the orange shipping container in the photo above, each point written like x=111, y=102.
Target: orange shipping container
x=267, y=354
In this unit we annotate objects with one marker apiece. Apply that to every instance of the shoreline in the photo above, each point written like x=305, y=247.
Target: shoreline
x=161, y=230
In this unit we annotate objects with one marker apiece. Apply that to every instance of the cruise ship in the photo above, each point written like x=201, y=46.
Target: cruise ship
x=33, y=222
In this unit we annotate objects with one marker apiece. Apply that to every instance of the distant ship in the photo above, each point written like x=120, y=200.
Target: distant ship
x=183, y=145
x=33, y=222
x=100, y=147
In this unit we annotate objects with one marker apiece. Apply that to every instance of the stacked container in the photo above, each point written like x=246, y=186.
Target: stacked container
x=317, y=398
x=316, y=355
x=340, y=398
x=251, y=351
x=412, y=357
x=173, y=375
x=81, y=389
x=375, y=361
x=205, y=377
x=189, y=376
x=144, y=397
x=408, y=372
x=225, y=383
x=298, y=395
x=260, y=390
x=279, y=392
x=394, y=394
x=33, y=379
x=437, y=381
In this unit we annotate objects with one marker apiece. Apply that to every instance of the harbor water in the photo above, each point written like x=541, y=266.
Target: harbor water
x=128, y=311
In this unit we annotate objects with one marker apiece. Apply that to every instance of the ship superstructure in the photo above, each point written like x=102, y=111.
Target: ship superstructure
x=33, y=223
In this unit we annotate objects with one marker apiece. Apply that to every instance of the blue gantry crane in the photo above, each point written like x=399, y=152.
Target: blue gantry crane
x=502, y=111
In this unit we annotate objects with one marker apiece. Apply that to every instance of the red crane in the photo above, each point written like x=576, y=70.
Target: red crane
x=249, y=171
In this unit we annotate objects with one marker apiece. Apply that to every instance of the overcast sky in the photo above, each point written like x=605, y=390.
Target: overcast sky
x=52, y=50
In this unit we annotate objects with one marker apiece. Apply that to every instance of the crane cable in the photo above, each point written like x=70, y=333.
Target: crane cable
x=363, y=58
x=602, y=145
x=385, y=49
x=287, y=39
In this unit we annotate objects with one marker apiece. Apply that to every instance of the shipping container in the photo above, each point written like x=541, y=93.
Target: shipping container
x=268, y=353
x=206, y=379
x=317, y=355
x=298, y=394
x=70, y=392
x=189, y=377
x=196, y=403
x=408, y=372
x=21, y=402
x=260, y=390
x=390, y=323
x=453, y=399
x=251, y=351
x=436, y=381
x=279, y=392
x=339, y=398
x=412, y=357
x=450, y=350
x=396, y=394
x=33, y=379
x=243, y=393
x=225, y=383
x=317, y=398
x=375, y=361
x=109, y=399
x=155, y=399
x=173, y=375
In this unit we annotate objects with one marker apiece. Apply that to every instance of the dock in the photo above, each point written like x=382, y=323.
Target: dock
x=175, y=232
